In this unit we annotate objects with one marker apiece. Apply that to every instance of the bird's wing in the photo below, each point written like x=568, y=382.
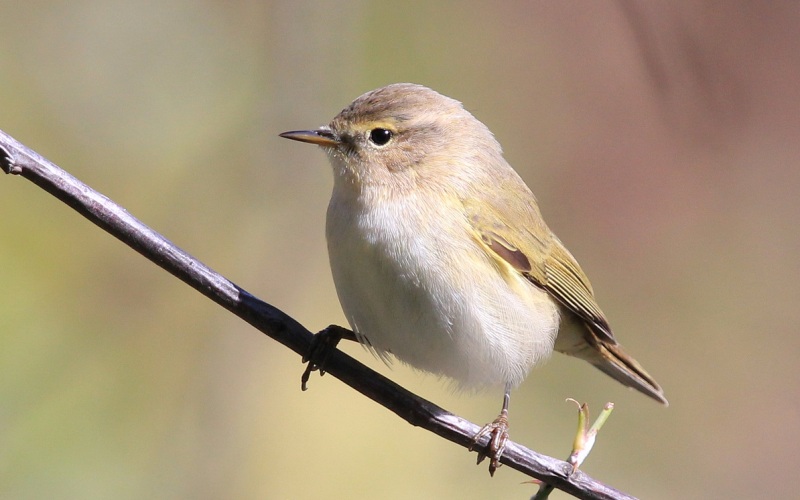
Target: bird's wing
x=535, y=252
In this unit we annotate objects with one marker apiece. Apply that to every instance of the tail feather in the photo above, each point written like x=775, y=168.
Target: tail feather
x=617, y=364
x=579, y=339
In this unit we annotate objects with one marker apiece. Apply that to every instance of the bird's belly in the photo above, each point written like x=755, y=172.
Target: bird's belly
x=443, y=309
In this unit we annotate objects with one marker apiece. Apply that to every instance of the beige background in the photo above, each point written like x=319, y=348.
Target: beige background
x=662, y=142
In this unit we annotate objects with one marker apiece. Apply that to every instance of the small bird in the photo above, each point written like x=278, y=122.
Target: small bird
x=441, y=257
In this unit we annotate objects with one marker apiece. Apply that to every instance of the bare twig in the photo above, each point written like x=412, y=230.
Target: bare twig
x=17, y=159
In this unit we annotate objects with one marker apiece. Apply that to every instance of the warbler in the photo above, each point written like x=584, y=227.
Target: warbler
x=441, y=257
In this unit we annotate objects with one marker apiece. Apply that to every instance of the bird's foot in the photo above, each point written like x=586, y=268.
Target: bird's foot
x=321, y=346
x=498, y=437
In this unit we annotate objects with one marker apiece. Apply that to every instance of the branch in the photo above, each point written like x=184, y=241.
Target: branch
x=17, y=159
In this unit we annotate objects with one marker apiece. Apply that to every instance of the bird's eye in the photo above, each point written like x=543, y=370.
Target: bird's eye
x=380, y=136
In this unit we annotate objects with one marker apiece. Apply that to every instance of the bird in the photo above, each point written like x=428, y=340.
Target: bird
x=440, y=255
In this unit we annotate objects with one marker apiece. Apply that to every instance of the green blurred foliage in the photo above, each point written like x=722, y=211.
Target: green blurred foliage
x=661, y=141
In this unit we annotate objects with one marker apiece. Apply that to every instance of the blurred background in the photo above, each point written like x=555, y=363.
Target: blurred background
x=660, y=138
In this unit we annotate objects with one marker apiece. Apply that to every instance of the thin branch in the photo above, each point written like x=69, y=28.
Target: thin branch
x=17, y=159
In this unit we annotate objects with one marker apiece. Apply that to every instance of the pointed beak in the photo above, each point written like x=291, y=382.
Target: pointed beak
x=321, y=137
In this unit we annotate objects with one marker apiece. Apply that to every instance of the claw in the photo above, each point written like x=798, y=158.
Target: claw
x=498, y=436
x=320, y=349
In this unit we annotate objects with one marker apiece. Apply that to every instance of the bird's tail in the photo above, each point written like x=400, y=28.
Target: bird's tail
x=616, y=363
x=602, y=350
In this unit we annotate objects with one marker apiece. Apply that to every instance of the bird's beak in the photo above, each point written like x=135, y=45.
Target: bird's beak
x=321, y=137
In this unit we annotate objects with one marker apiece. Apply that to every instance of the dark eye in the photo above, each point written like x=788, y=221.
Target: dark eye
x=380, y=136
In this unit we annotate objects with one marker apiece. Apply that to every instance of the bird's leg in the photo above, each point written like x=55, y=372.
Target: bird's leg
x=498, y=436
x=321, y=346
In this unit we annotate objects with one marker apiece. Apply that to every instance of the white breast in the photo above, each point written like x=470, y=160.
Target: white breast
x=417, y=285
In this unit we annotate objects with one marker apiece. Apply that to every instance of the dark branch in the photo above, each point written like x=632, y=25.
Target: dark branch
x=20, y=160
